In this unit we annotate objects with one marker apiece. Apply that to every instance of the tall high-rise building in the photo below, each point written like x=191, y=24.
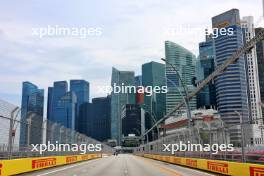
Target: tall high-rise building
x=49, y=103
x=231, y=86
x=58, y=90
x=247, y=24
x=184, y=61
x=62, y=104
x=65, y=109
x=132, y=118
x=260, y=57
x=120, y=79
x=102, y=118
x=153, y=74
x=86, y=119
x=31, y=114
x=81, y=90
x=205, y=66
x=138, y=80
x=95, y=118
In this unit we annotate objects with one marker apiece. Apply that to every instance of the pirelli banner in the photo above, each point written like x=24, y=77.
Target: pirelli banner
x=17, y=166
x=217, y=166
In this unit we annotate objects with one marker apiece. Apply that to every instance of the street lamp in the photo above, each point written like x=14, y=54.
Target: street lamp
x=11, y=136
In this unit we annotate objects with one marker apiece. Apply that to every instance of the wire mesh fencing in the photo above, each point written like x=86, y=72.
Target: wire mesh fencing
x=195, y=139
x=27, y=136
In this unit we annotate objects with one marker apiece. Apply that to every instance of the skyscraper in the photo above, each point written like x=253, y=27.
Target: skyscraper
x=153, y=74
x=95, y=118
x=138, y=80
x=86, y=119
x=205, y=66
x=58, y=90
x=131, y=120
x=49, y=103
x=260, y=57
x=31, y=114
x=184, y=61
x=102, y=118
x=120, y=79
x=64, y=111
x=247, y=24
x=231, y=86
x=81, y=90
x=62, y=103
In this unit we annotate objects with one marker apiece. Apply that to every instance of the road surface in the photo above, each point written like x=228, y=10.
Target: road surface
x=121, y=165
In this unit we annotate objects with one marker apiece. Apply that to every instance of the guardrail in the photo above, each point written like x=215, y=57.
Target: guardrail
x=23, y=165
x=215, y=166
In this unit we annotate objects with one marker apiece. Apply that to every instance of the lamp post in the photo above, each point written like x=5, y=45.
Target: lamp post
x=29, y=121
x=11, y=128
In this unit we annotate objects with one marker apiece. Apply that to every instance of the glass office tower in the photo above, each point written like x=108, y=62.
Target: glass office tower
x=64, y=111
x=81, y=90
x=184, y=61
x=31, y=114
x=205, y=66
x=58, y=90
x=118, y=100
x=153, y=74
x=231, y=85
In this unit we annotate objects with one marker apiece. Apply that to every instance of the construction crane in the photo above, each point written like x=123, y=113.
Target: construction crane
x=219, y=70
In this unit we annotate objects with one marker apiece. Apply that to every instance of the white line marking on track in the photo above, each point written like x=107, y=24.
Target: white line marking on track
x=65, y=168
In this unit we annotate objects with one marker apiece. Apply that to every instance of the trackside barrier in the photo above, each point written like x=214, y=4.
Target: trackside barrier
x=222, y=167
x=22, y=165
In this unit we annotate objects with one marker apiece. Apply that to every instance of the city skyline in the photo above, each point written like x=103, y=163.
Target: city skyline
x=68, y=52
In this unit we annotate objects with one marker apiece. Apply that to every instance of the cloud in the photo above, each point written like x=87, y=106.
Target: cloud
x=133, y=32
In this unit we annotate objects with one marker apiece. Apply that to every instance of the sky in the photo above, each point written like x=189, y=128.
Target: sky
x=132, y=33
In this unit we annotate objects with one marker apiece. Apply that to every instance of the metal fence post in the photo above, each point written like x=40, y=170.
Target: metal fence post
x=11, y=126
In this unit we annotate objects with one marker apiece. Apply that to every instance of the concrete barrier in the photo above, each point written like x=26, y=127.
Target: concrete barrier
x=216, y=166
x=22, y=165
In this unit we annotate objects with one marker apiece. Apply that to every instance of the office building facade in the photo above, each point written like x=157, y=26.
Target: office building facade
x=64, y=111
x=260, y=57
x=184, y=61
x=81, y=90
x=121, y=79
x=153, y=74
x=86, y=119
x=231, y=86
x=132, y=120
x=102, y=118
x=247, y=24
x=58, y=90
x=31, y=114
x=205, y=66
